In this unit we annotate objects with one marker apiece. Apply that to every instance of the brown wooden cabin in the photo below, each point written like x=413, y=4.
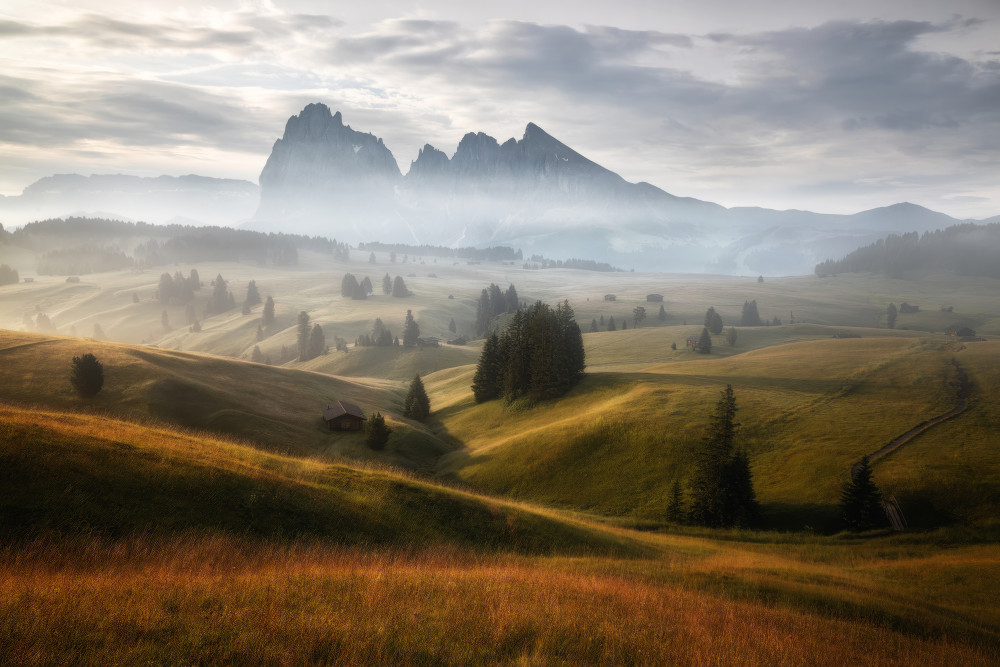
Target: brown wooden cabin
x=654, y=298
x=692, y=342
x=343, y=416
x=429, y=341
x=909, y=308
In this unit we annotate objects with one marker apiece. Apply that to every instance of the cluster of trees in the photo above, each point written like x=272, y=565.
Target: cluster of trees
x=750, y=316
x=176, y=289
x=494, y=302
x=493, y=254
x=82, y=259
x=539, y=262
x=380, y=336
x=540, y=353
x=350, y=287
x=722, y=493
x=222, y=299
x=8, y=276
x=967, y=249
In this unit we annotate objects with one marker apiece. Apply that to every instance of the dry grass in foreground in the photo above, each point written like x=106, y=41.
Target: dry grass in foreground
x=220, y=600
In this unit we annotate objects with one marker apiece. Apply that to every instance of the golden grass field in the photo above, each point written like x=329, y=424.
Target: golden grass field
x=342, y=565
x=198, y=511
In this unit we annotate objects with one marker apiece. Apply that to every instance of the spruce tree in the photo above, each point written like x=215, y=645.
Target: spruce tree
x=411, y=330
x=860, y=500
x=721, y=487
x=891, y=312
x=713, y=321
x=611, y=323
x=451, y=326
x=705, y=341
x=399, y=287
x=663, y=314
x=386, y=284
x=317, y=342
x=417, y=405
x=302, y=338
x=731, y=336
x=377, y=432
x=253, y=295
x=87, y=375
x=486, y=383
x=638, y=315
x=267, y=317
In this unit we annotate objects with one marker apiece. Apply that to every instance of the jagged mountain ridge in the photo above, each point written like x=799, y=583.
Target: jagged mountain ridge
x=539, y=194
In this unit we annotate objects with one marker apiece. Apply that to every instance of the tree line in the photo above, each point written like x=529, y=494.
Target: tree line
x=967, y=249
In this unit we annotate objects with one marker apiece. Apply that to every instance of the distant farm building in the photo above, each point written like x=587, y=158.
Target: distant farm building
x=961, y=332
x=343, y=416
x=429, y=341
x=908, y=308
x=692, y=342
x=609, y=297
x=656, y=298
x=947, y=309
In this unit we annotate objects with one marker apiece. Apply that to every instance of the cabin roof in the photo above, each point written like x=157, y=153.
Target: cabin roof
x=336, y=409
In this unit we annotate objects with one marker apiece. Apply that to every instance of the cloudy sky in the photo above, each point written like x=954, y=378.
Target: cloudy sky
x=831, y=106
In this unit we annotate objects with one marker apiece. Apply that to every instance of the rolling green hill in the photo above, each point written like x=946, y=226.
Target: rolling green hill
x=70, y=473
x=277, y=408
x=615, y=444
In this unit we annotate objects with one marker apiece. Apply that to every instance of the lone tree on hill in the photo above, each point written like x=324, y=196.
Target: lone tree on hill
x=861, y=500
x=713, y=321
x=88, y=375
x=451, y=326
x=611, y=323
x=731, y=336
x=317, y=342
x=890, y=315
x=376, y=432
x=303, y=331
x=705, y=341
x=386, y=284
x=411, y=330
x=267, y=317
x=663, y=314
x=417, y=405
x=638, y=315
x=399, y=287
x=722, y=487
x=253, y=295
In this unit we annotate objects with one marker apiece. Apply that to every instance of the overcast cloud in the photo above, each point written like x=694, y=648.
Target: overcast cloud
x=834, y=113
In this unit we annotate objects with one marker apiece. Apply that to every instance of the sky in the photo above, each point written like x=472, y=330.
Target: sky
x=827, y=106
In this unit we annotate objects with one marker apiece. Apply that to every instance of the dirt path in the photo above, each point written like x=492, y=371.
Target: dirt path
x=963, y=394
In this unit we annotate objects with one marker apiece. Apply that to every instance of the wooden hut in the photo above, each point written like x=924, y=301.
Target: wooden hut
x=343, y=416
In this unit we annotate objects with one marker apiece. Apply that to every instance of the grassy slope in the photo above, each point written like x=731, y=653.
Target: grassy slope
x=126, y=542
x=276, y=407
x=615, y=444
x=69, y=473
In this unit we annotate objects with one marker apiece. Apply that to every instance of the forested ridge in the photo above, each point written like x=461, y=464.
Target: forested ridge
x=966, y=249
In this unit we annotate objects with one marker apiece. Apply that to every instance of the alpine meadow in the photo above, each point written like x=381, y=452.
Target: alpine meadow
x=509, y=404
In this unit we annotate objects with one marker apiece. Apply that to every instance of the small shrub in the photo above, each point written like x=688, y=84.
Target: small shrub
x=88, y=375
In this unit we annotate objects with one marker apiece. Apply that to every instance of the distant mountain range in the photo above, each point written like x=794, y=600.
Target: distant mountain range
x=160, y=199
x=537, y=194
